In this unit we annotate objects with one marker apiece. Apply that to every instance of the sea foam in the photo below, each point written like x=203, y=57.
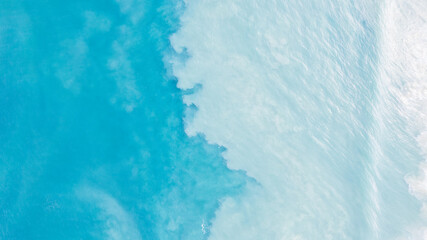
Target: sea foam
x=403, y=73
x=323, y=103
x=288, y=87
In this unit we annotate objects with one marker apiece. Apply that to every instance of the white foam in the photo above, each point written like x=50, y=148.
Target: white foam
x=404, y=73
x=277, y=93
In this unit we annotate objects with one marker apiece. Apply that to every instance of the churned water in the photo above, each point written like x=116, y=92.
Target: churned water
x=202, y=119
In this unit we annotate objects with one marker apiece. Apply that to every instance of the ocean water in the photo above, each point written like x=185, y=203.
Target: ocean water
x=202, y=119
x=92, y=138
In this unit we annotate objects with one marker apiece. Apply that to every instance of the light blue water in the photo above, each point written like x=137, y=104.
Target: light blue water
x=243, y=119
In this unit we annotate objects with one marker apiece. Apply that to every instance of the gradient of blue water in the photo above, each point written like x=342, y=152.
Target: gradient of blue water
x=87, y=106
x=92, y=141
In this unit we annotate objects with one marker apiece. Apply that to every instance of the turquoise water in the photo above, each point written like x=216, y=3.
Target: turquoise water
x=243, y=119
x=95, y=151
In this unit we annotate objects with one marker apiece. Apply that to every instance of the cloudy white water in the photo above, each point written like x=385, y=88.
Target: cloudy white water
x=322, y=103
x=403, y=72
